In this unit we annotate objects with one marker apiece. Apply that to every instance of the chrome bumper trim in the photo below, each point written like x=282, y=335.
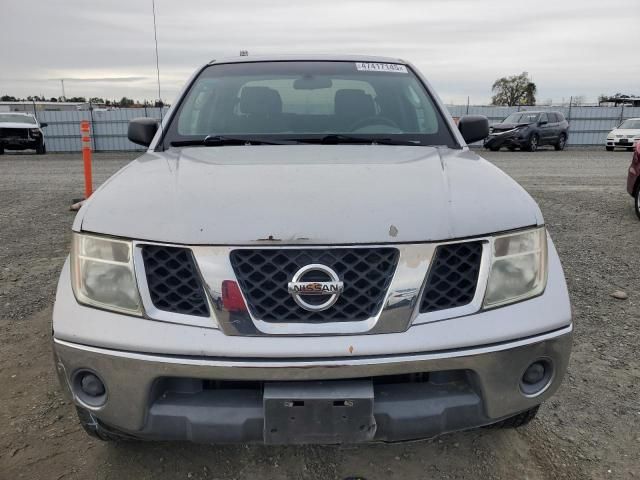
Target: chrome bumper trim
x=129, y=377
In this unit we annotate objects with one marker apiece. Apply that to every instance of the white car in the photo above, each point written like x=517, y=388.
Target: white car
x=21, y=131
x=626, y=135
x=309, y=252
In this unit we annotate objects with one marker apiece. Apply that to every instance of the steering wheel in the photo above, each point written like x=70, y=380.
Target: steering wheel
x=364, y=122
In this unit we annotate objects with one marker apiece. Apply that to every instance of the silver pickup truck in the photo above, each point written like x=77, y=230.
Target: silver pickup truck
x=309, y=252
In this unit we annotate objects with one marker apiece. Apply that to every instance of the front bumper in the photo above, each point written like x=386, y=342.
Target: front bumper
x=509, y=139
x=621, y=143
x=207, y=399
x=20, y=143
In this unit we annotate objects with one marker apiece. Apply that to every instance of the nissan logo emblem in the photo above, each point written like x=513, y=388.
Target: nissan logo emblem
x=332, y=288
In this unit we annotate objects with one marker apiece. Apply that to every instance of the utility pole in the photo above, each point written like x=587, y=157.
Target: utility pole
x=64, y=97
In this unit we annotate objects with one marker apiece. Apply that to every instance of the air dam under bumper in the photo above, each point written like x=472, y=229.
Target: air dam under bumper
x=224, y=401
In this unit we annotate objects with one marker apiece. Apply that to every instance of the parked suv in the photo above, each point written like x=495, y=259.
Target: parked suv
x=626, y=135
x=21, y=131
x=529, y=130
x=309, y=252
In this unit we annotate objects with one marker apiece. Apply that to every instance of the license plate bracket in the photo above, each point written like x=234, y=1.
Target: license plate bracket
x=318, y=412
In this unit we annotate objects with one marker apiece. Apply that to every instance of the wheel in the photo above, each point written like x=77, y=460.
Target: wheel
x=1, y=150
x=95, y=429
x=637, y=200
x=532, y=145
x=609, y=149
x=494, y=149
x=561, y=143
x=519, y=420
x=41, y=149
x=629, y=149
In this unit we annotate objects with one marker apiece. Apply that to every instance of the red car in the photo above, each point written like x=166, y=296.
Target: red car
x=633, y=180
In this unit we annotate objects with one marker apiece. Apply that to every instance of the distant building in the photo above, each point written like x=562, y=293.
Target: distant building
x=620, y=100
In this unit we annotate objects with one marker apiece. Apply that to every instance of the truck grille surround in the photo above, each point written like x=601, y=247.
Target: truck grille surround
x=174, y=283
x=263, y=275
x=453, y=276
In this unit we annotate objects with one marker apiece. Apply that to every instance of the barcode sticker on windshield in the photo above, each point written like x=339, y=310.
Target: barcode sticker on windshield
x=381, y=67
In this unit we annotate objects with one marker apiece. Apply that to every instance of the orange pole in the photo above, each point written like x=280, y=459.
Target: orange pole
x=86, y=157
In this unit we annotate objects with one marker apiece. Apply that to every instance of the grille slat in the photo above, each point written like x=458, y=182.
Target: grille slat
x=453, y=276
x=173, y=280
x=263, y=275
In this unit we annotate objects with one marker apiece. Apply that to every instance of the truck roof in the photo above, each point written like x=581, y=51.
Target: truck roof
x=308, y=57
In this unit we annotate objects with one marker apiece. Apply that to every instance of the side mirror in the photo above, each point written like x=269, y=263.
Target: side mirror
x=543, y=122
x=474, y=127
x=43, y=124
x=142, y=130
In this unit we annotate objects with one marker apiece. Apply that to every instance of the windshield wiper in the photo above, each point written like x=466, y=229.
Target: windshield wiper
x=222, y=140
x=336, y=138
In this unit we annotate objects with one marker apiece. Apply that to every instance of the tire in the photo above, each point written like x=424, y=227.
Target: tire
x=41, y=149
x=95, y=429
x=532, y=144
x=561, y=143
x=494, y=149
x=1, y=150
x=637, y=200
x=609, y=149
x=629, y=149
x=519, y=420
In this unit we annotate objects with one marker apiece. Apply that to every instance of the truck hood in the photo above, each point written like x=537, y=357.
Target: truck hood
x=316, y=194
x=18, y=125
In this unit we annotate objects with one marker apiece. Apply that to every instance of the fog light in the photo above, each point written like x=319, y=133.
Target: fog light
x=536, y=378
x=89, y=388
x=534, y=373
x=91, y=385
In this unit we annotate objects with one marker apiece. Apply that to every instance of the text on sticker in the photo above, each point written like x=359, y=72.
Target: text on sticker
x=381, y=67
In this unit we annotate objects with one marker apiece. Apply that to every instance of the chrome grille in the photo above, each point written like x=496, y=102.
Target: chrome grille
x=174, y=283
x=453, y=276
x=263, y=275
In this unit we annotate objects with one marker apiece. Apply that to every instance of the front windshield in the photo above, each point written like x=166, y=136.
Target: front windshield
x=16, y=118
x=294, y=101
x=522, y=117
x=632, y=124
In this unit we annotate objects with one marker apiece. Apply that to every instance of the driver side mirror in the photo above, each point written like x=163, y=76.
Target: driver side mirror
x=43, y=124
x=474, y=127
x=142, y=130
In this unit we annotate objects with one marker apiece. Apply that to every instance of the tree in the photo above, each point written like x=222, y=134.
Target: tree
x=514, y=90
x=8, y=98
x=578, y=100
x=125, y=102
x=53, y=99
x=96, y=100
x=77, y=100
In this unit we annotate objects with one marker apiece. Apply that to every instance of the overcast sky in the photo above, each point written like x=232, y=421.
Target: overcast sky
x=105, y=48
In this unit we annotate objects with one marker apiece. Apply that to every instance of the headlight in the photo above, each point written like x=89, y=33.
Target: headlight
x=102, y=274
x=35, y=132
x=518, y=267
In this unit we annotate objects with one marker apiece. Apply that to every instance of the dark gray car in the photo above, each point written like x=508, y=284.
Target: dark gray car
x=528, y=131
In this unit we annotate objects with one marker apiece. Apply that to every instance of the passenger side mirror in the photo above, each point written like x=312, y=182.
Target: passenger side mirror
x=142, y=130
x=474, y=127
x=43, y=124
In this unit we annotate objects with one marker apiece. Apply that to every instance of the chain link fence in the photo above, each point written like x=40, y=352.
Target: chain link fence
x=589, y=125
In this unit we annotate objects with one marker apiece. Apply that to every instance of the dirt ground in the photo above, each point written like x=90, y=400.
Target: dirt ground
x=589, y=430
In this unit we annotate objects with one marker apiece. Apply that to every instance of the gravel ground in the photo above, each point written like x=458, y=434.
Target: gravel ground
x=589, y=430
